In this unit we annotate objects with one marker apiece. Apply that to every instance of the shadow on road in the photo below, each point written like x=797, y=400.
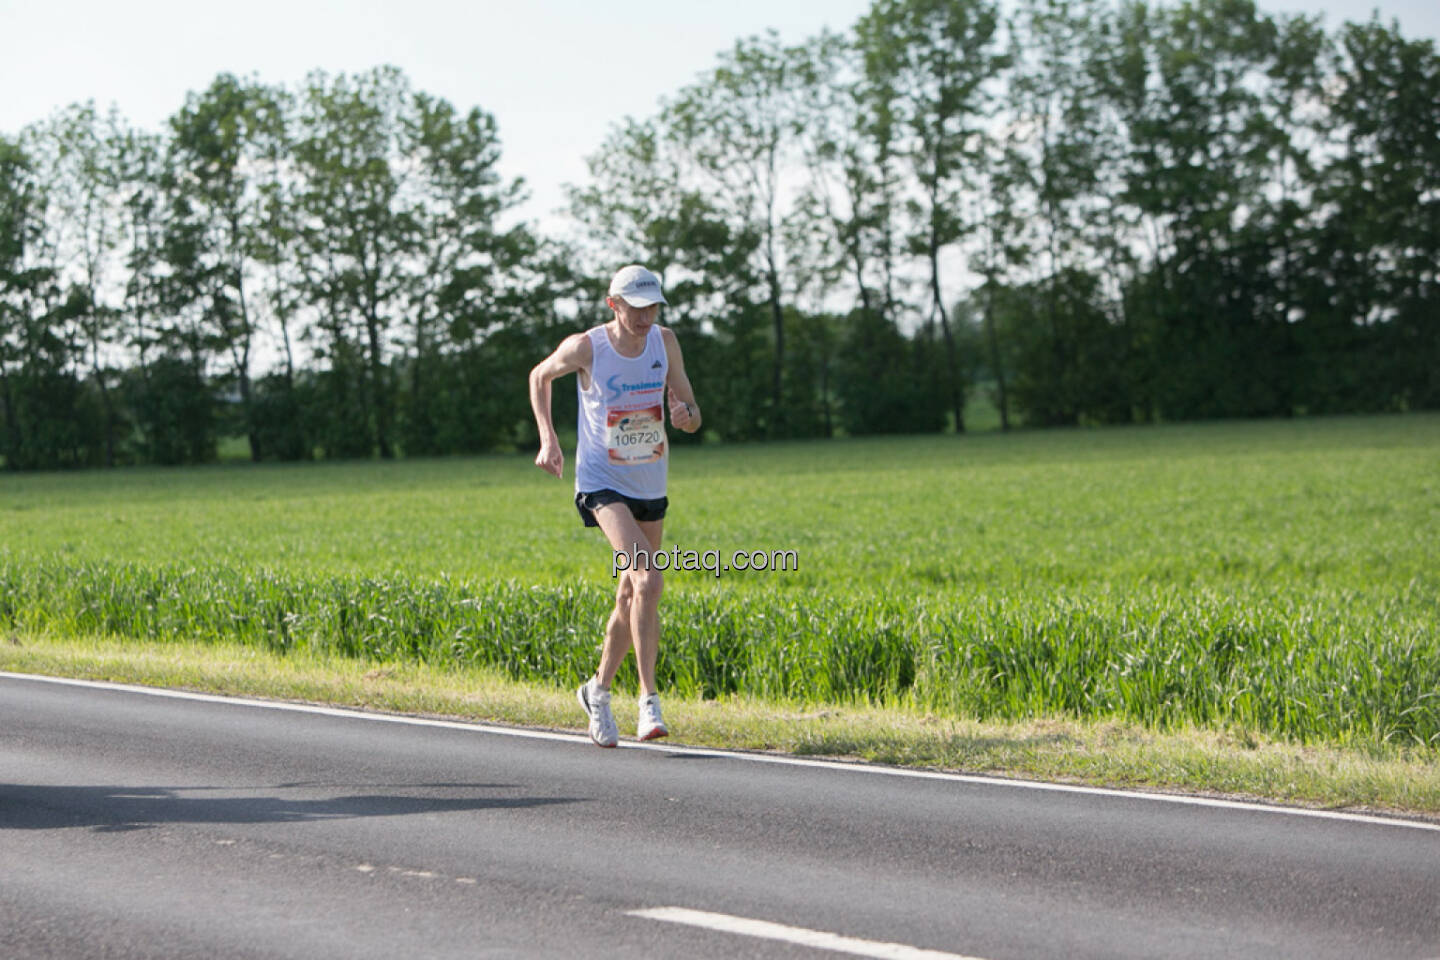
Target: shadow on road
x=137, y=808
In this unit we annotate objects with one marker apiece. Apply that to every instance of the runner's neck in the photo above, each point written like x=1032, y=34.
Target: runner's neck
x=627, y=345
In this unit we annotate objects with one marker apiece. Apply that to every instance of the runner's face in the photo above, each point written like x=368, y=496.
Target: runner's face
x=635, y=320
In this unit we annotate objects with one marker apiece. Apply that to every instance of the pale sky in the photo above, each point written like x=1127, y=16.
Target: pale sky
x=555, y=73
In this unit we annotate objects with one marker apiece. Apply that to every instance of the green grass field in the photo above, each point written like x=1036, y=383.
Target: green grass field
x=1277, y=579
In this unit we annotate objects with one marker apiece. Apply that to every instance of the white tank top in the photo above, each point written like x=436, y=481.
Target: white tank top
x=621, y=441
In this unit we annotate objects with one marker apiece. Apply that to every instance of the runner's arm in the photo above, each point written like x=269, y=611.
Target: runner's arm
x=684, y=411
x=571, y=356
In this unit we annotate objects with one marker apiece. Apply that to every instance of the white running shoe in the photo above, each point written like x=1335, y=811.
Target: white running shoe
x=596, y=704
x=651, y=727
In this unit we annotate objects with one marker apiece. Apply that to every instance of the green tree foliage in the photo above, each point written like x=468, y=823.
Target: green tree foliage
x=933, y=63
x=1051, y=164
x=738, y=125
x=1372, y=320
x=1068, y=357
x=50, y=418
x=355, y=238
x=421, y=302
x=15, y=223
x=1108, y=210
x=1199, y=149
x=218, y=141
x=175, y=410
x=79, y=161
x=886, y=381
x=844, y=231
x=476, y=287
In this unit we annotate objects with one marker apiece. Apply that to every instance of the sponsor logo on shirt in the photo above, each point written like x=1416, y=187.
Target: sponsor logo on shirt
x=617, y=388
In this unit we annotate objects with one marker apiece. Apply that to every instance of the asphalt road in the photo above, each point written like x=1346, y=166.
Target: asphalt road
x=136, y=825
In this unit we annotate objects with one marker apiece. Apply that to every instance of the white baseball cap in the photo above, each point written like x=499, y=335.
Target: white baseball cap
x=637, y=286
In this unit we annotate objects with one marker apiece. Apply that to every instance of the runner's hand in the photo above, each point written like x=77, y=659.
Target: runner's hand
x=680, y=416
x=551, y=459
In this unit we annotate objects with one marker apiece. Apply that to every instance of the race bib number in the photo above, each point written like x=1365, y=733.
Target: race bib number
x=636, y=436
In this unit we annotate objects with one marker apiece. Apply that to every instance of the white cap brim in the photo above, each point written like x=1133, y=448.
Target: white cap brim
x=635, y=301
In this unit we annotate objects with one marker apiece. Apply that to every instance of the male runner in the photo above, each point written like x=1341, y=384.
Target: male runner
x=627, y=369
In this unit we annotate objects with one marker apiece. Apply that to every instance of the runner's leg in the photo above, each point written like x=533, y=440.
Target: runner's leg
x=617, y=630
x=645, y=610
x=638, y=595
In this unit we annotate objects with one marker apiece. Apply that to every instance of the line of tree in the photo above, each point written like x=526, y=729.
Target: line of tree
x=1096, y=212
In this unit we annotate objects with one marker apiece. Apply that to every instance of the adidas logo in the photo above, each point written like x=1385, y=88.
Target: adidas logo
x=655, y=365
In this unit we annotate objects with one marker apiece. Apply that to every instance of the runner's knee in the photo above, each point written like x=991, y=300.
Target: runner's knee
x=647, y=584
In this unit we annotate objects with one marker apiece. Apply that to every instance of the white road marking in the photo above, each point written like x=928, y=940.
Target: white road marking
x=818, y=939
x=848, y=767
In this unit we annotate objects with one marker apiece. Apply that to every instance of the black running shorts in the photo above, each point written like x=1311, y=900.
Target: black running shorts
x=639, y=509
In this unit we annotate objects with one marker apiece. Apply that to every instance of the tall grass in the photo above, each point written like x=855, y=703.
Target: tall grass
x=1329, y=667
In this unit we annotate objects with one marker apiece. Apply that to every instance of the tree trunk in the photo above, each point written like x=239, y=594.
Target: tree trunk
x=377, y=380
x=865, y=295
x=857, y=260
x=777, y=316
x=246, y=401
x=105, y=402
x=109, y=407
x=12, y=431
x=957, y=398
x=995, y=365
x=289, y=350
x=1060, y=355
x=825, y=395
x=418, y=411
